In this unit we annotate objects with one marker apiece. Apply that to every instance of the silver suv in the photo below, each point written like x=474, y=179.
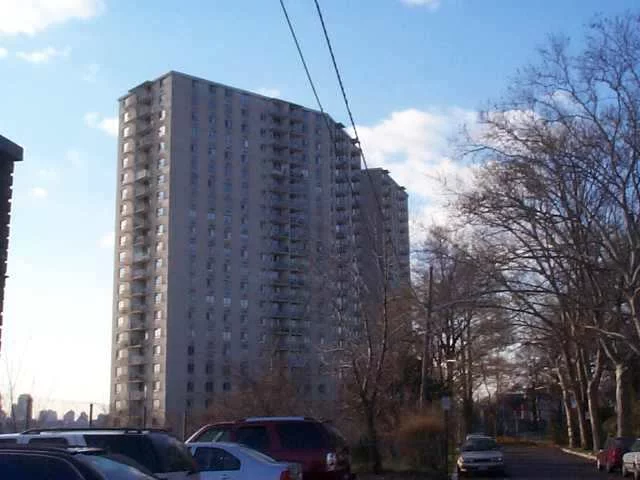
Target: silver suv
x=155, y=451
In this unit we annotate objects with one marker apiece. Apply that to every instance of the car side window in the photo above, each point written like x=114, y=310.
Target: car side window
x=36, y=467
x=253, y=437
x=51, y=441
x=213, y=459
x=213, y=434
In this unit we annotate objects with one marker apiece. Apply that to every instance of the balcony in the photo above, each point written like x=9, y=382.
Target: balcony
x=296, y=146
x=136, y=378
x=278, y=172
x=141, y=192
x=143, y=112
x=136, y=360
x=141, y=207
x=138, y=307
x=143, y=127
x=278, y=218
x=139, y=274
x=142, y=175
x=296, y=115
x=141, y=257
x=141, y=225
x=145, y=143
x=136, y=396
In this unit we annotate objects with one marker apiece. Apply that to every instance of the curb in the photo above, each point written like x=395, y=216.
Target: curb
x=588, y=456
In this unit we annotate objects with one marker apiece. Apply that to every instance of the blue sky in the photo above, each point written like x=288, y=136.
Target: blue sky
x=414, y=69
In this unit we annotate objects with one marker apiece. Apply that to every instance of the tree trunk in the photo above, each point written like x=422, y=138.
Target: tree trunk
x=594, y=415
x=374, y=446
x=624, y=406
x=583, y=428
x=566, y=403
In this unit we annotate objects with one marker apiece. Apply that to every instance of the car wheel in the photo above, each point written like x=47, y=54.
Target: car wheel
x=598, y=465
x=636, y=474
x=625, y=472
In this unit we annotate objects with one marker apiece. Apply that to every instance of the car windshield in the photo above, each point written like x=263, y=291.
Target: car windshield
x=479, y=445
x=112, y=469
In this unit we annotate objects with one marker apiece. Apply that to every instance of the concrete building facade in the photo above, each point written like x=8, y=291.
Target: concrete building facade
x=9, y=154
x=233, y=211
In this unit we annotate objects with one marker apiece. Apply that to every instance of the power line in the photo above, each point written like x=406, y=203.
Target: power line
x=355, y=130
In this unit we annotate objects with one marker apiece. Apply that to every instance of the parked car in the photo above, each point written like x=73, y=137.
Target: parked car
x=317, y=446
x=609, y=458
x=480, y=454
x=155, y=450
x=631, y=461
x=21, y=462
x=232, y=461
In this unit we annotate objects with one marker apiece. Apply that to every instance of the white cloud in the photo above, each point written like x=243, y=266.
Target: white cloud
x=430, y=4
x=91, y=73
x=32, y=16
x=107, y=241
x=269, y=92
x=3, y=52
x=39, y=192
x=44, y=55
x=415, y=146
x=108, y=125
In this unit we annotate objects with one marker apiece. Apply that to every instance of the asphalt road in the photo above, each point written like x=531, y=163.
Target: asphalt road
x=545, y=463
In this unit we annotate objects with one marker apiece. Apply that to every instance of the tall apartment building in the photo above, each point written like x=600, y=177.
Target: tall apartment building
x=383, y=241
x=234, y=210
x=9, y=154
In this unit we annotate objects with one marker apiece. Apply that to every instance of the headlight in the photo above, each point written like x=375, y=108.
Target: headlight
x=497, y=459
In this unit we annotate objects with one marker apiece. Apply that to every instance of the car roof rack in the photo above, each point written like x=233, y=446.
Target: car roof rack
x=94, y=429
x=277, y=419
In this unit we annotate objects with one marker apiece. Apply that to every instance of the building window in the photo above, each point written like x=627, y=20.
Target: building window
x=189, y=386
x=122, y=256
x=227, y=301
x=161, y=179
x=156, y=384
x=124, y=224
x=191, y=350
x=157, y=350
x=156, y=368
x=158, y=280
x=208, y=387
x=158, y=263
x=226, y=336
x=160, y=212
x=244, y=303
x=156, y=404
x=190, y=368
x=157, y=298
x=162, y=131
x=158, y=315
x=226, y=386
x=118, y=405
x=157, y=332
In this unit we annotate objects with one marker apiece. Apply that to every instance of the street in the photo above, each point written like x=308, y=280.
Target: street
x=544, y=463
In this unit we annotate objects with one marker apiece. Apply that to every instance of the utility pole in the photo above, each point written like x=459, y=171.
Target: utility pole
x=90, y=415
x=426, y=340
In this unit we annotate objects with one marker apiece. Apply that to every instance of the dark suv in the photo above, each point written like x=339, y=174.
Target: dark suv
x=316, y=446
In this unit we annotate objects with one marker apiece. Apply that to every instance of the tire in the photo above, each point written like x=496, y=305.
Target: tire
x=608, y=468
x=636, y=474
x=625, y=472
x=598, y=465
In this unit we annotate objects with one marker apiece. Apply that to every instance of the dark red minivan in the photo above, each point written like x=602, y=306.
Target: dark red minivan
x=316, y=446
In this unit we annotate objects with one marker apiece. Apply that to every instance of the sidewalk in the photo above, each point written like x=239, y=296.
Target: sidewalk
x=579, y=453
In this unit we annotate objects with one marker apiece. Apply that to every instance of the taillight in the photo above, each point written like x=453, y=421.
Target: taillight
x=285, y=475
x=332, y=461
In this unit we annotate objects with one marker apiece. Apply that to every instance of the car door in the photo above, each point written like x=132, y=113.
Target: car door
x=217, y=464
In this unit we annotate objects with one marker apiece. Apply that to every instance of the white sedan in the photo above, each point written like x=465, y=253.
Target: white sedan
x=631, y=461
x=231, y=461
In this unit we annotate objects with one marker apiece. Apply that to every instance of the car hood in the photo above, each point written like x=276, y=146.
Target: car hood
x=483, y=455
